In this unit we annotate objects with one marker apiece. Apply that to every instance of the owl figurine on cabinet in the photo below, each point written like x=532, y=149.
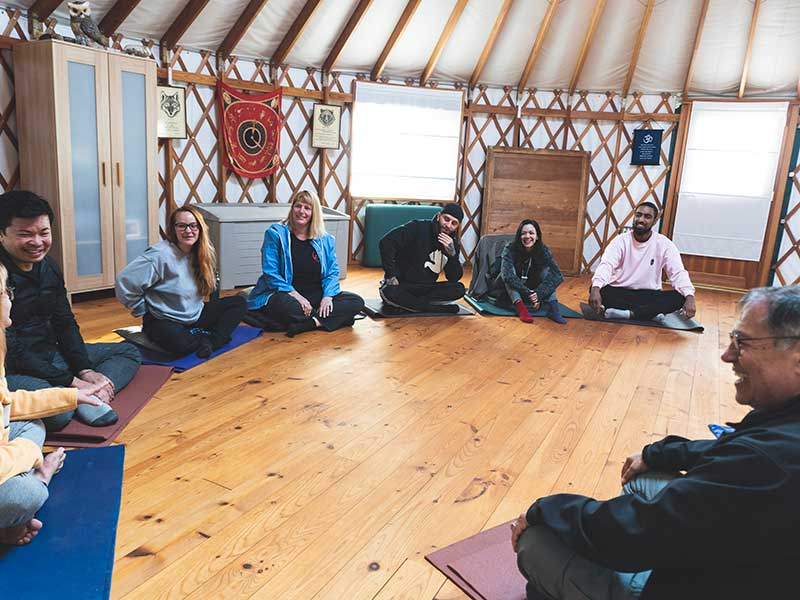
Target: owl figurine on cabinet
x=86, y=31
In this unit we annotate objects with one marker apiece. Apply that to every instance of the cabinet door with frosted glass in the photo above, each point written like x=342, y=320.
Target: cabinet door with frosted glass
x=132, y=93
x=81, y=78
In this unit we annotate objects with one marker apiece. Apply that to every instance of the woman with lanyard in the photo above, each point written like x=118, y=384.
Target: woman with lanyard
x=299, y=284
x=530, y=274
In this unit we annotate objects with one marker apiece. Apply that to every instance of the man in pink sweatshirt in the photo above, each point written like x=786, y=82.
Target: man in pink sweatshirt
x=627, y=284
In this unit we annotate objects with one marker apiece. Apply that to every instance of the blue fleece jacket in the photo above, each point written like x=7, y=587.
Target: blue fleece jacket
x=276, y=265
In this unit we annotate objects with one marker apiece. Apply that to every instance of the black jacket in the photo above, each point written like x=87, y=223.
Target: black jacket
x=42, y=324
x=412, y=252
x=728, y=528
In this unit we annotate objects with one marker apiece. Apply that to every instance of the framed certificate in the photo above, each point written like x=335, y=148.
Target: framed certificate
x=171, y=112
x=326, y=126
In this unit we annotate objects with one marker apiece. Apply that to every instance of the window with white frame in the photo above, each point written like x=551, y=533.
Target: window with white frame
x=405, y=142
x=732, y=153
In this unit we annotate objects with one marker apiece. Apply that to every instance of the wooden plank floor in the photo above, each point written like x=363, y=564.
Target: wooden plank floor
x=328, y=465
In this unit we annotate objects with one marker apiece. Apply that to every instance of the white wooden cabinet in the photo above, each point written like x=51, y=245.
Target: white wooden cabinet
x=86, y=121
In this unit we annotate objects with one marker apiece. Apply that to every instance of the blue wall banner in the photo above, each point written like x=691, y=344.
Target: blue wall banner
x=646, y=147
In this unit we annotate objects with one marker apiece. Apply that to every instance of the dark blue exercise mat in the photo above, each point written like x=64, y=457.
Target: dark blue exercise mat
x=487, y=307
x=671, y=321
x=73, y=556
x=241, y=335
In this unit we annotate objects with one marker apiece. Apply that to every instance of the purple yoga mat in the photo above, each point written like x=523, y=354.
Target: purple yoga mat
x=147, y=381
x=483, y=566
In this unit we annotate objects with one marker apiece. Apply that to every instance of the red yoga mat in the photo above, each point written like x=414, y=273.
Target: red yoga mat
x=147, y=381
x=483, y=566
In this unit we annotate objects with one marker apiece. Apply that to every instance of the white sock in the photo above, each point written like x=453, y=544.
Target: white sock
x=617, y=313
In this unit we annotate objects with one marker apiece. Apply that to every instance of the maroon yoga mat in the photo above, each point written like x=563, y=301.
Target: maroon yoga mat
x=127, y=403
x=483, y=566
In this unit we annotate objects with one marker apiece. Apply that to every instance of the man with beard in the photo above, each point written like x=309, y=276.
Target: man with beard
x=627, y=284
x=697, y=519
x=413, y=255
x=45, y=346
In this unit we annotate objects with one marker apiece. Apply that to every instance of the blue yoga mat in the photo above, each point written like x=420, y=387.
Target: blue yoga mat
x=241, y=335
x=73, y=556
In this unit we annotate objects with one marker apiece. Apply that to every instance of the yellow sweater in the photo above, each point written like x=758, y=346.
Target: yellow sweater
x=21, y=455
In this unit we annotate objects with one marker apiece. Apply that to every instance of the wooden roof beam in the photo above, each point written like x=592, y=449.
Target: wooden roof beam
x=344, y=36
x=537, y=45
x=698, y=34
x=458, y=9
x=749, y=51
x=236, y=33
x=402, y=23
x=598, y=12
x=44, y=8
x=637, y=49
x=490, y=42
x=182, y=23
x=295, y=31
x=116, y=15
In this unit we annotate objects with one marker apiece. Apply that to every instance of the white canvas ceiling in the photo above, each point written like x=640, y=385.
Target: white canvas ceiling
x=662, y=64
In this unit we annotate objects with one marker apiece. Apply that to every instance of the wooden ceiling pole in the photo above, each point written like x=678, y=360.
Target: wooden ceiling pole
x=44, y=8
x=598, y=12
x=349, y=27
x=537, y=45
x=487, y=48
x=698, y=34
x=116, y=15
x=648, y=12
x=295, y=31
x=235, y=35
x=402, y=23
x=458, y=9
x=746, y=66
x=182, y=23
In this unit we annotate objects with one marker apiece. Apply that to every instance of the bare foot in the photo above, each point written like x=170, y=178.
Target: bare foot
x=21, y=534
x=51, y=465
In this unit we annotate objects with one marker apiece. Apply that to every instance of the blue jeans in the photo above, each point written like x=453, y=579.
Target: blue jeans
x=118, y=362
x=23, y=495
x=556, y=572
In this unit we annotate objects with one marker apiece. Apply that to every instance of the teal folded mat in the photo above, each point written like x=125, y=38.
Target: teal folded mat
x=72, y=557
x=380, y=219
x=487, y=307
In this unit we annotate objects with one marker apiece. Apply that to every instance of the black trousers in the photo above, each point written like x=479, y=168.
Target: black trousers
x=644, y=304
x=419, y=296
x=285, y=310
x=219, y=317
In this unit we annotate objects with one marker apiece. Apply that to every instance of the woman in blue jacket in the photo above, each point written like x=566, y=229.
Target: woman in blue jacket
x=299, y=284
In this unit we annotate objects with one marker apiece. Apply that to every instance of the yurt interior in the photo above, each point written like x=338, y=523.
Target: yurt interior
x=283, y=316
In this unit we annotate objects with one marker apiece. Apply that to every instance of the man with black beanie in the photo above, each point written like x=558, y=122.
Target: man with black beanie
x=413, y=255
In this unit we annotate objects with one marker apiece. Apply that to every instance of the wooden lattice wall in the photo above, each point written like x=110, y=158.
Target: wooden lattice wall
x=787, y=265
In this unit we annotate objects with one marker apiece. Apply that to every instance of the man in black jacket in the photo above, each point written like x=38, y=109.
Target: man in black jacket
x=697, y=519
x=413, y=255
x=45, y=347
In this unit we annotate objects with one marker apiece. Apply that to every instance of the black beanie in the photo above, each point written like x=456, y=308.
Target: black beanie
x=454, y=210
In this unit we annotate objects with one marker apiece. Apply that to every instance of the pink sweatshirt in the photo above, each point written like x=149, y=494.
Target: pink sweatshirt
x=636, y=265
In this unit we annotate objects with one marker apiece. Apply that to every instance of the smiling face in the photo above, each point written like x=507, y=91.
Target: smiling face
x=27, y=240
x=187, y=230
x=768, y=373
x=528, y=236
x=301, y=216
x=643, y=220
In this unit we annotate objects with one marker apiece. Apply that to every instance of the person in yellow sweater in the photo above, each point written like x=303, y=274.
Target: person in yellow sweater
x=24, y=472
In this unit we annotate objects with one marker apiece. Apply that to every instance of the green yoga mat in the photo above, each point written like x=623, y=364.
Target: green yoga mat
x=485, y=307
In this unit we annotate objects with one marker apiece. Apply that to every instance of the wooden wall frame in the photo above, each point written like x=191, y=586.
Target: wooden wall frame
x=546, y=185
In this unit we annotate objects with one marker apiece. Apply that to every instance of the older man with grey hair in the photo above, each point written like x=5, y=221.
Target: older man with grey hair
x=697, y=519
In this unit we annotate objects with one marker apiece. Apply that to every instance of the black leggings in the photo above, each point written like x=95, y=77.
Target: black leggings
x=285, y=310
x=419, y=296
x=219, y=317
x=644, y=304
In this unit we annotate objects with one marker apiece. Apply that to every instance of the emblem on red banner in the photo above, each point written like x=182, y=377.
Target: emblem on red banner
x=251, y=125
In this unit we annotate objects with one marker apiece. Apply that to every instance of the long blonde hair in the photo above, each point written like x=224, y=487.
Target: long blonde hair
x=204, y=257
x=316, y=228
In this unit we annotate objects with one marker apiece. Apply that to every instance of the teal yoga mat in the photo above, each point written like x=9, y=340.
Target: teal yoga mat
x=488, y=308
x=73, y=556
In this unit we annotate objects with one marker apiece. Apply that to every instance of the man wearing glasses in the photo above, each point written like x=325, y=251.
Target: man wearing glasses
x=45, y=346
x=697, y=519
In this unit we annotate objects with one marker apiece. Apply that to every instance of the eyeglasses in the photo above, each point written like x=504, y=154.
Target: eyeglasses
x=187, y=226
x=737, y=339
